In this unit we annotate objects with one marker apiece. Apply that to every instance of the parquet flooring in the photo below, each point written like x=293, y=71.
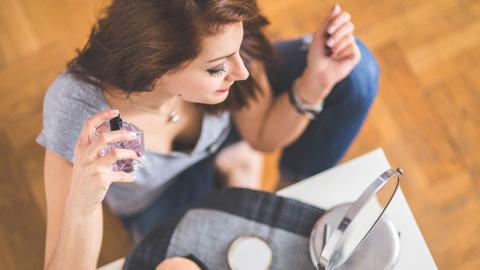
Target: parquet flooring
x=426, y=116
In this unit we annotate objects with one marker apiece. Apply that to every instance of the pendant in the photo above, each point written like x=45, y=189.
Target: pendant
x=173, y=117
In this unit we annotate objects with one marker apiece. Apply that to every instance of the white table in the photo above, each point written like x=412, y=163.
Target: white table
x=345, y=183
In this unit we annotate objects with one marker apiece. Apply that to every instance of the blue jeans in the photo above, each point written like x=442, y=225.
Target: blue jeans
x=321, y=146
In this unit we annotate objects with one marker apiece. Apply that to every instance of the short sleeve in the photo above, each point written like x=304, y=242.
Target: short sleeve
x=67, y=104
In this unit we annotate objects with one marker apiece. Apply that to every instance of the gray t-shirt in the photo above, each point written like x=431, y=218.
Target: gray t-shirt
x=69, y=102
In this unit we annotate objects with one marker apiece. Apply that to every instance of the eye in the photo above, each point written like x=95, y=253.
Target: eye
x=217, y=71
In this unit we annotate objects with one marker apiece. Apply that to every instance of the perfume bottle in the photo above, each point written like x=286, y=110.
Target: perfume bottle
x=136, y=145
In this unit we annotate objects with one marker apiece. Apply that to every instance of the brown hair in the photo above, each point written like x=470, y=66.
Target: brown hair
x=137, y=41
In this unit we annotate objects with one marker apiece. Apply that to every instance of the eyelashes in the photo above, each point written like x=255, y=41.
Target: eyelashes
x=217, y=71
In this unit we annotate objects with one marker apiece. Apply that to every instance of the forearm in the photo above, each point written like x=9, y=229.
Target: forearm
x=79, y=243
x=284, y=124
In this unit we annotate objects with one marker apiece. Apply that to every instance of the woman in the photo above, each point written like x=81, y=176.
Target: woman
x=209, y=64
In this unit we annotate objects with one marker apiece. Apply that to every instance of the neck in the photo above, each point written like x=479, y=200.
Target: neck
x=155, y=100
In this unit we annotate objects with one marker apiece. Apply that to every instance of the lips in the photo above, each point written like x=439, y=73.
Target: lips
x=225, y=89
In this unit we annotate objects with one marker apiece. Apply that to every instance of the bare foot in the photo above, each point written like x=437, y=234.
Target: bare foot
x=175, y=263
x=241, y=165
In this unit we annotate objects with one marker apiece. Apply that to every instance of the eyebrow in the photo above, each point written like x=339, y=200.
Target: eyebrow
x=216, y=59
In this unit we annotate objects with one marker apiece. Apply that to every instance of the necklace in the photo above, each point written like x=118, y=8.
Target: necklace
x=172, y=116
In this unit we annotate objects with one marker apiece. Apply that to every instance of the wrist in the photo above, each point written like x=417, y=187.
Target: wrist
x=75, y=214
x=310, y=90
x=310, y=110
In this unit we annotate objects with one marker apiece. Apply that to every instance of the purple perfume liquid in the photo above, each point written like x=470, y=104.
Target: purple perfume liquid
x=136, y=145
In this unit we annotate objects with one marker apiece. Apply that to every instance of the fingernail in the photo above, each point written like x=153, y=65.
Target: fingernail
x=132, y=134
x=335, y=7
x=331, y=30
x=330, y=42
x=115, y=112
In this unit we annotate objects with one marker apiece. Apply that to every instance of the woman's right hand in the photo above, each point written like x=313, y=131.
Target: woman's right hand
x=92, y=174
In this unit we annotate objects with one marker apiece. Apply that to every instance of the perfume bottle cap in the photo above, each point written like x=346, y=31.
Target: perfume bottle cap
x=116, y=123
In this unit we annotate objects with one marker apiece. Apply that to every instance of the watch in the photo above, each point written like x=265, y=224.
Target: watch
x=309, y=110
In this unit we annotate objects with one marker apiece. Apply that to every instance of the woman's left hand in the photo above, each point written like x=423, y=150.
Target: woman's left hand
x=332, y=55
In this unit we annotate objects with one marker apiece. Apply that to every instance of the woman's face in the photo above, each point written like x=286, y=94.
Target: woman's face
x=208, y=77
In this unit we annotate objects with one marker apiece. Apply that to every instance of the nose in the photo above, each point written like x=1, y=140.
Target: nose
x=238, y=71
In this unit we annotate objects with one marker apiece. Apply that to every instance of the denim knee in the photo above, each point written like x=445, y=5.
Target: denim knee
x=362, y=81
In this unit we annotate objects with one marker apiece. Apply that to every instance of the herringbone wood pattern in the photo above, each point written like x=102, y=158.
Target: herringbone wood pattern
x=426, y=117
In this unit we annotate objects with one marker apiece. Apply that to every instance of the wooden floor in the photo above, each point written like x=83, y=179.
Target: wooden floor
x=426, y=117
